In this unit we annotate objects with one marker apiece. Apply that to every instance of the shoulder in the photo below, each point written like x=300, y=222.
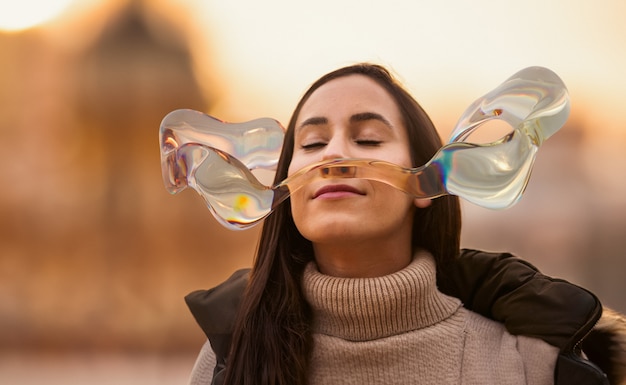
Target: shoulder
x=202, y=372
x=490, y=348
x=495, y=333
x=215, y=310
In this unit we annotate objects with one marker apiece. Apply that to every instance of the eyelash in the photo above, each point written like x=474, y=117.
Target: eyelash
x=364, y=142
x=312, y=146
x=371, y=143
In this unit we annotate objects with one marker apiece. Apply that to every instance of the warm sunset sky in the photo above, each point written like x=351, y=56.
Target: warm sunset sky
x=447, y=52
x=444, y=50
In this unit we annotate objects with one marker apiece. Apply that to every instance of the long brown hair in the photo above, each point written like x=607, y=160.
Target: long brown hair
x=272, y=340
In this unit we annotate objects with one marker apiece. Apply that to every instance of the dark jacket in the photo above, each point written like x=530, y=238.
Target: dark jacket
x=498, y=286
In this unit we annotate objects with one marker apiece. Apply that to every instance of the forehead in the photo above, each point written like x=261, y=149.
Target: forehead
x=347, y=95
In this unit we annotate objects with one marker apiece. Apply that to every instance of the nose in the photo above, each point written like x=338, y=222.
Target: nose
x=337, y=147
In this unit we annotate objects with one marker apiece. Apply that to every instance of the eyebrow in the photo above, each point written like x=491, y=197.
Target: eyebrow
x=356, y=118
x=314, y=121
x=364, y=116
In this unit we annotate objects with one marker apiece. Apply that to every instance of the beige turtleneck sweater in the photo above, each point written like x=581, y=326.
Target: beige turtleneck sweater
x=399, y=329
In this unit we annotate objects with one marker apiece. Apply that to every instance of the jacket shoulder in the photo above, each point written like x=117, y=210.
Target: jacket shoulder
x=215, y=309
x=510, y=290
x=606, y=345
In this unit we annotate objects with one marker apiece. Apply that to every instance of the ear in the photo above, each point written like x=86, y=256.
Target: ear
x=422, y=203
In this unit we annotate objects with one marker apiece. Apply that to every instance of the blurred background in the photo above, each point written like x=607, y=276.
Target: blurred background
x=95, y=255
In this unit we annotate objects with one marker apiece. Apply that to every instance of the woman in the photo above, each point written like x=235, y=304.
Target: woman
x=344, y=287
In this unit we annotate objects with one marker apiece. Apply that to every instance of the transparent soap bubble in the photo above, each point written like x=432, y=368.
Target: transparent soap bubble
x=216, y=158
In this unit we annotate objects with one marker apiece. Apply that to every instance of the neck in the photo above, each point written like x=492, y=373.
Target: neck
x=362, y=259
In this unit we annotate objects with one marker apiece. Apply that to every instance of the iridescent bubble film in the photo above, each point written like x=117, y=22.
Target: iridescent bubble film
x=256, y=144
x=216, y=158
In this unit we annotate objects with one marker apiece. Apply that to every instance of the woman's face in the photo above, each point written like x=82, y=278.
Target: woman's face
x=350, y=117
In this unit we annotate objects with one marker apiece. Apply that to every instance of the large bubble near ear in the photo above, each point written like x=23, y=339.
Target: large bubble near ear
x=215, y=158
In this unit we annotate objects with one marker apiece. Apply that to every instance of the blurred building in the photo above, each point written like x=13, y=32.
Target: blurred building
x=94, y=254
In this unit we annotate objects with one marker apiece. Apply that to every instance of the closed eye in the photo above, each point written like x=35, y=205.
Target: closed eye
x=371, y=143
x=312, y=146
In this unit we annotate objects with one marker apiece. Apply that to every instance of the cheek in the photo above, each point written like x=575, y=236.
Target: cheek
x=296, y=164
x=292, y=168
x=296, y=201
x=404, y=153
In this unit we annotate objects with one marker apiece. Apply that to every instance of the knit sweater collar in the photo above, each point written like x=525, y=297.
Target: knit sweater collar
x=363, y=309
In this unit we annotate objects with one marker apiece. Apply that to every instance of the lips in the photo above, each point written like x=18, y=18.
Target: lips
x=336, y=191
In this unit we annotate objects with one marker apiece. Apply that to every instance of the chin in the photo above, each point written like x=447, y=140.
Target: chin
x=335, y=230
